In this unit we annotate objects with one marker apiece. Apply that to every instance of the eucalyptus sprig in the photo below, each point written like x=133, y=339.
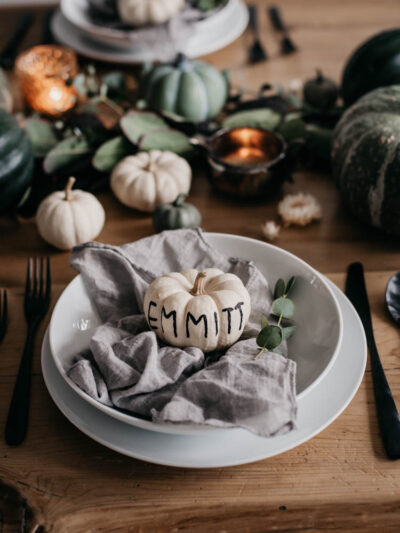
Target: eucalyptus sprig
x=272, y=335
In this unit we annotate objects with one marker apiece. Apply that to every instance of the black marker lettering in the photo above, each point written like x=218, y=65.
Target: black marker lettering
x=229, y=311
x=151, y=318
x=216, y=322
x=189, y=316
x=168, y=315
x=239, y=306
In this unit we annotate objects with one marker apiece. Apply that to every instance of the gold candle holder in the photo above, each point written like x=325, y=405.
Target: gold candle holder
x=43, y=73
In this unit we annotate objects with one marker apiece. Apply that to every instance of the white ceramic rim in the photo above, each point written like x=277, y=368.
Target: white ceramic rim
x=191, y=428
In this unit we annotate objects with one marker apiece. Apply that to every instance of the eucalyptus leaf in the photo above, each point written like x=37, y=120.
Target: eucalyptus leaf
x=264, y=322
x=293, y=127
x=290, y=284
x=254, y=118
x=68, y=153
x=166, y=139
x=280, y=288
x=111, y=152
x=115, y=80
x=136, y=124
x=288, y=332
x=6, y=99
x=42, y=135
x=269, y=337
x=283, y=306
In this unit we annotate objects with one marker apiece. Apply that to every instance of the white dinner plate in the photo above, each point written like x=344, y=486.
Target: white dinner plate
x=201, y=43
x=77, y=13
x=227, y=447
x=314, y=346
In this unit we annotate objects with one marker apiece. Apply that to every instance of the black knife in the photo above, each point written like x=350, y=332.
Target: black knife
x=388, y=416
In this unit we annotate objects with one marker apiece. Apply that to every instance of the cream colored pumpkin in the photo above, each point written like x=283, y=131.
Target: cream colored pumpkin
x=148, y=12
x=206, y=309
x=67, y=218
x=148, y=179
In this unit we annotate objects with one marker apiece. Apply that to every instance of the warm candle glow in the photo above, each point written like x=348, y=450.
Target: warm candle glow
x=247, y=148
x=43, y=72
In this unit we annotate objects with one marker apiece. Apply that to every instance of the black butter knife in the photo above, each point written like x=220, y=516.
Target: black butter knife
x=388, y=417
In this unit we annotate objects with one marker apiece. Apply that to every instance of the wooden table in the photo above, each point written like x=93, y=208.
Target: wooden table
x=340, y=480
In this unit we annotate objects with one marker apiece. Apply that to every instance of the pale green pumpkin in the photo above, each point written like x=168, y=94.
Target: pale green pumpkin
x=192, y=89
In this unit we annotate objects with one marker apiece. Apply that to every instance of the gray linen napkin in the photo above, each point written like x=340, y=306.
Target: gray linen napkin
x=129, y=368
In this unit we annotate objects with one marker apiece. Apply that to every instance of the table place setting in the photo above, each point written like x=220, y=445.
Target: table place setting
x=175, y=237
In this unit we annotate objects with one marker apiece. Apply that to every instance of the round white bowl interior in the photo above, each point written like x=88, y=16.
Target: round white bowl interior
x=314, y=346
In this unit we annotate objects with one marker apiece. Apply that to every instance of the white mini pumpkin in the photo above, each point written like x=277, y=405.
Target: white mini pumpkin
x=68, y=218
x=148, y=12
x=208, y=309
x=148, y=179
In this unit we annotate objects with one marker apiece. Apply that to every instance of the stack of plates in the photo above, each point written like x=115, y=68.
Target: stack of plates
x=73, y=27
x=330, y=355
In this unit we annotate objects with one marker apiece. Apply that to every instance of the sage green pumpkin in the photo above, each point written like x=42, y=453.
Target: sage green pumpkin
x=16, y=162
x=176, y=215
x=366, y=158
x=376, y=63
x=194, y=90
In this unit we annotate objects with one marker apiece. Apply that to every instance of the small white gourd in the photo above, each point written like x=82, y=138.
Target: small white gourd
x=68, y=218
x=148, y=12
x=207, y=309
x=148, y=179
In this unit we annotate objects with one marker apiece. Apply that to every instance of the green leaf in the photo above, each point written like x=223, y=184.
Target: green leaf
x=284, y=307
x=42, y=135
x=290, y=284
x=115, y=80
x=6, y=99
x=166, y=139
x=269, y=337
x=68, y=152
x=255, y=118
x=264, y=322
x=293, y=127
x=280, y=288
x=136, y=124
x=111, y=152
x=288, y=332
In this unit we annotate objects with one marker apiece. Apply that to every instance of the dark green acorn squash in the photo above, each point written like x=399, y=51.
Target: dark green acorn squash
x=366, y=158
x=194, y=90
x=16, y=162
x=376, y=63
x=176, y=215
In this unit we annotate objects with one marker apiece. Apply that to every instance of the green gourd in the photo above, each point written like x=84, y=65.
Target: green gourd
x=366, y=158
x=176, y=215
x=320, y=92
x=194, y=90
x=16, y=158
x=376, y=63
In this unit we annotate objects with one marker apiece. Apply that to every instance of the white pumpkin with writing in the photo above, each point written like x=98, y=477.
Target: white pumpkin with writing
x=207, y=309
x=148, y=12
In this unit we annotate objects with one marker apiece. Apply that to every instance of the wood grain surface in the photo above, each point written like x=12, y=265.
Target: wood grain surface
x=60, y=481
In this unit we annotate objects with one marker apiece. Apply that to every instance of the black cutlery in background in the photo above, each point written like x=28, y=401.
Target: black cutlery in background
x=10, y=50
x=257, y=52
x=47, y=35
x=388, y=417
x=287, y=45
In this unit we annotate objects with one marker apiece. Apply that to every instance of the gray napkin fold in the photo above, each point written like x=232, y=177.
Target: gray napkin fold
x=129, y=368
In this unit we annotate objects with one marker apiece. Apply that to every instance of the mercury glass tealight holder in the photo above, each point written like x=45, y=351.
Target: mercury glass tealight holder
x=44, y=73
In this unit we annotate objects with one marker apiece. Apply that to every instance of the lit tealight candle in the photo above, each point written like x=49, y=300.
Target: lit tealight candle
x=247, y=148
x=43, y=73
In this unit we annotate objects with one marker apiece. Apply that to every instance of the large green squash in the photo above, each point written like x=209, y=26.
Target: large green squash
x=16, y=162
x=192, y=89
x=376, y=63
x=366, y=158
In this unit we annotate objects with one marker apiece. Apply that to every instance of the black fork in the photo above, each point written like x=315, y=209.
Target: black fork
x=36, y=304
x=3, y=315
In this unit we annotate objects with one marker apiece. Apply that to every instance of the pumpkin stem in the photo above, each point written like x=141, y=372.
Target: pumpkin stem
x=320, y=76
x=180, y=60
x=198, y=284
x=179, y=200
x=68, y=188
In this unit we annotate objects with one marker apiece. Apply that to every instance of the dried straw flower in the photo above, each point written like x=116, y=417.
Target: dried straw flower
x=299, y=209
x=270, y=230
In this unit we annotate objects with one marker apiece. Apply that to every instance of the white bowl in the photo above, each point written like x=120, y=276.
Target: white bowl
x=314, y=347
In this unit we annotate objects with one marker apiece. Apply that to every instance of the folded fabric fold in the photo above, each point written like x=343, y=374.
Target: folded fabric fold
x=128, y=367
